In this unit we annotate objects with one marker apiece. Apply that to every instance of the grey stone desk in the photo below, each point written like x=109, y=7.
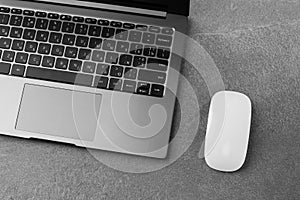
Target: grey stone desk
x=256, y=47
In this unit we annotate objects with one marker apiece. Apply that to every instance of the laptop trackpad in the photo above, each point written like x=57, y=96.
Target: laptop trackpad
x=50, y=111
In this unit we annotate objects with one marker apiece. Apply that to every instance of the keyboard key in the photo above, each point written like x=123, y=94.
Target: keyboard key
x=143, y=88
x=95, y=31
x=48, y=61
x=154, y=29
x=150, y=51
x=139, y=61
x=41, y=23
x=40, y=14
x=31, y=47
x=98, y=56
x=8, y=56
x=5, y=43
x=29, y=34
x=82, y=41
x=125, y=60
x=141, y=27
x=84, y=54
x=21, y=58
x=128, y=26
x=61, y=63
x=130, y=73
x=81, y=29
x=4, y=30
x=55, y=25
x=16, y=32
x=42, y=36
x=102, y=69
x=122, y=47
x=163, y=53
x=115, y=84
x=16, y=20
x=68, y=39
x=53, y=15
x=148, y=38
x=57, y=50
x=152, y=76
x=89, y=67
x=28, y=22
x=157, y=64
x=28, y=12
x=103, y=22
x=168, y=31
x=116, y=24
x=66, y=17
x=18, y=70
x=136, y=49
x=157, y=90
x=71, y=52
x=109, y=45
x=4, y=19
x=4, y=10
x=111, y=58
x=44, y=48
x=55, y=38
x=95, y=43
x=59, y=76
x=75, y=65
x=121, y=34
x=16, y=11
x=35, y=59
x=129, y=86
x=164, y=40
x=4, y=68
x=101, y=82
x=90, y=21
x=116, y=71
x=135, y=36
x=18, y=45
x=108, y=32
x=78, y=19
x=68, y=27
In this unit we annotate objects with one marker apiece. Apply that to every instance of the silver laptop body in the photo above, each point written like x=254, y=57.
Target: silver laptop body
x=36, y=102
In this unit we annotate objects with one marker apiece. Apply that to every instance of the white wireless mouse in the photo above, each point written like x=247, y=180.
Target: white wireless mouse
x=228, y=130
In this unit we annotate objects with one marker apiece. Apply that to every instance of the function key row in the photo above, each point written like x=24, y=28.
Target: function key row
x=116, y=24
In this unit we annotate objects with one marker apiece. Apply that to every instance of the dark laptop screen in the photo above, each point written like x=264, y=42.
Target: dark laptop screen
x=172, y=6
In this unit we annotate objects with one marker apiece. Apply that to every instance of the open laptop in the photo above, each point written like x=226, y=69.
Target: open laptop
x=94, y=73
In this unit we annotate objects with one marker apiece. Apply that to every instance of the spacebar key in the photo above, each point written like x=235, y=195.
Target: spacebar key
x=59, y=76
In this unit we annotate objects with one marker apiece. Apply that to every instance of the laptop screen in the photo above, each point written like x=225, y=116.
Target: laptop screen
x=180, y=7
x=171, y=6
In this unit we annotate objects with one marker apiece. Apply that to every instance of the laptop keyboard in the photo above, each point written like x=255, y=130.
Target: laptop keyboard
x=99, y=53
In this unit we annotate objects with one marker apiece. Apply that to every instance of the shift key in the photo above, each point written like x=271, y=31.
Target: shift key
x=151, y=76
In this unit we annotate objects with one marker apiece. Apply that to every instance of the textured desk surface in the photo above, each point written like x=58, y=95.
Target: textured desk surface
x=256, y=46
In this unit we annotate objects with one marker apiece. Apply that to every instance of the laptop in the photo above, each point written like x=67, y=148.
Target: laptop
x=99, y=74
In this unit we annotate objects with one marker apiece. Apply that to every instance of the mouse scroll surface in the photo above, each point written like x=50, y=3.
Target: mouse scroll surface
x=228, y=130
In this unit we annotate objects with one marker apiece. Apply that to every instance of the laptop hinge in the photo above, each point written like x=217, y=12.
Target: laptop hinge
x=111, y=7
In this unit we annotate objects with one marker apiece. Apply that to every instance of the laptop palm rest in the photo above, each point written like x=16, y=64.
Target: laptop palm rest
x=50, y=111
